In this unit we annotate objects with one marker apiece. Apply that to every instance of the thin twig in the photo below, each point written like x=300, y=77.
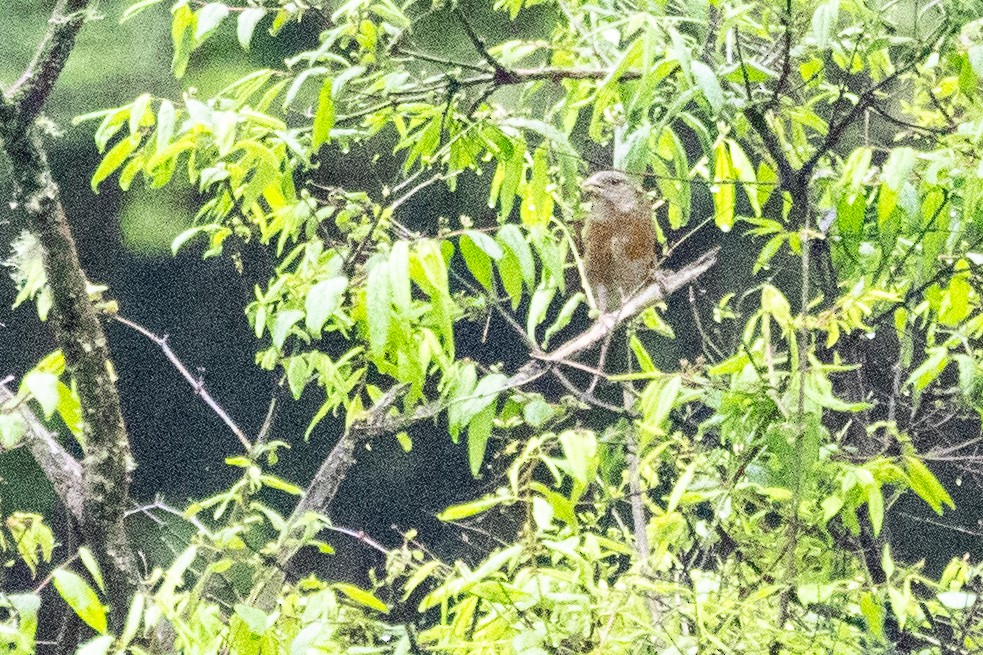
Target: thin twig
x=360, y=535
x=434, y=59
x=197, y=384
x=586, y=396
x=502, y=75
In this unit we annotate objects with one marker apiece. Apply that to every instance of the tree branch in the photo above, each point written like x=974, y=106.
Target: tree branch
x=668, y=283
x=501, y=75
x=196, y=384
x=62, y=470
x=787, y=175
x=29, y=93
x=333, y=471
x=75, y=323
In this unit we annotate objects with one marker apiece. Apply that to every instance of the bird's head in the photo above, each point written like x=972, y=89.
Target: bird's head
x=613, y=193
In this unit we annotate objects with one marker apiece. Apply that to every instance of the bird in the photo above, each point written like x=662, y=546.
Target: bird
x=620, y=247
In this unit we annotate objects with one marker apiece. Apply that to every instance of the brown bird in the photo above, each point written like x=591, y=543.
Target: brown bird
x=619, y=239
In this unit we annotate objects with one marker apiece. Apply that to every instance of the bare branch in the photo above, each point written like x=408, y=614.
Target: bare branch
x=75, y=322
x=107, y=466
x=196, y=384
x=668, y=283
x=62, y=470
x=865, y=101
x=502, y=75
x=787, y=175
x=29, y=93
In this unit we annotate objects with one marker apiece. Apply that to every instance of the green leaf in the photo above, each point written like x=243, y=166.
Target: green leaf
x=558, y=506
x=306, y=639
x=642, y=356
x=926, y=485
x=464, y=510
x=511, y=276
x=12, y=429
x=484, y=394
x=283, y=321
x=324, y=117
x=298, y=82
x=898, y=166
x=465, y=380
x=724, y=196
x=541, y=301
x=478, y=249
x=174, y=576
x=322, y=301
x=298, y=373
x=767, y=182
x=752, y=71
x=114, y=159
x=824, y=21
x=930, y=369
x=511, y=237
x=566, y=313
x=975, y=56
x=378, y=312
x=273, y=482
x=399, y=277
x=508, y=177
x=134, y=617
x=362, y=597
x=768, y=251
x=745, y=173
x=680, y=487
x=537, y=199
x=551, y=257
x=957, y=600
x=580, y=449
x=165, y=124
x=545, y=130
x=181, y=26
x=486, y=243
x=209, y=18
x=875, y=507
x=255, y=619
x=92, y=566
x=537, y=412
x=657, y=402
x=708, y=83
x=479, y=431
x=676, y=191
x=43, y=387
x=138, y=110
x=428, y=269
x=873, y=612
x=246, y=25
x=81, y=598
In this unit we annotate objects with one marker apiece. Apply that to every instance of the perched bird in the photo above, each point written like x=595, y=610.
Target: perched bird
x=619, y=239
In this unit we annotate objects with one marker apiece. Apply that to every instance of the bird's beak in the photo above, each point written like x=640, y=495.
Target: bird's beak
x=591, y=189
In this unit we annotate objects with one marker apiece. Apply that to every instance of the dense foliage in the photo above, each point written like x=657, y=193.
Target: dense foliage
x=733, y=504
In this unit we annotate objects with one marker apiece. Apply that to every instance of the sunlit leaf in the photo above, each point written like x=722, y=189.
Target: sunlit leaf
x=246, y=25
x=81, y=598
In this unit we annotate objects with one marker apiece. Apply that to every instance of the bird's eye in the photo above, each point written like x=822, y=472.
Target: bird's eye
x=617, y=182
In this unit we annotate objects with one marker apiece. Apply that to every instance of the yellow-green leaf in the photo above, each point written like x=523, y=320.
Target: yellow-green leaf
x=362, y=597
x=81, y=598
